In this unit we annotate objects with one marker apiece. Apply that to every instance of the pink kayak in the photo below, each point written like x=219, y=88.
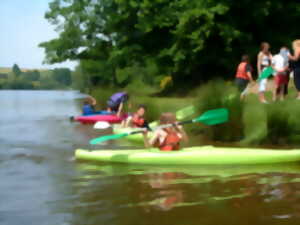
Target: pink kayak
x=96, y=118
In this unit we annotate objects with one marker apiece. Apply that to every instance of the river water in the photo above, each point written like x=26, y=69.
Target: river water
x=42, y=184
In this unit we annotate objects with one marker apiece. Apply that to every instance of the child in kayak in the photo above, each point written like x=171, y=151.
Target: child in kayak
x=116, y=102
x=88, y=107
x=243, y=75
x=137, y=120
x=167, y=139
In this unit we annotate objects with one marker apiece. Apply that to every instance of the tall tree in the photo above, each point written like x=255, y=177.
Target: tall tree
x=16, y=70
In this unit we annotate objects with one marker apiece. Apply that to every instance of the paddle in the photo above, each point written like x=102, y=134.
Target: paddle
x=210, y=117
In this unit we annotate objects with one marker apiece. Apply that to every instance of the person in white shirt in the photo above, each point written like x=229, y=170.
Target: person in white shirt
x=264, y=59
x=280, y=65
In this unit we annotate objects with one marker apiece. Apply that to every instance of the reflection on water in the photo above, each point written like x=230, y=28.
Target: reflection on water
x=41, y=183
x=203, y=195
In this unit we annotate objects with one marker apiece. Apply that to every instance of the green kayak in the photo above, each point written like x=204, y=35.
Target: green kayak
x=138, y=138
x=204, y=155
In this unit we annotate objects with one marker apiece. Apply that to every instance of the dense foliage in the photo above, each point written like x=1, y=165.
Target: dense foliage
x=63, y=76
x=117, y=41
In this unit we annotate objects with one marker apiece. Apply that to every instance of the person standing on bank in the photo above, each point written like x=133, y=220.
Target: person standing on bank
x=264, y=59
x=243, y=75
x=295, y=65
x=280, y=65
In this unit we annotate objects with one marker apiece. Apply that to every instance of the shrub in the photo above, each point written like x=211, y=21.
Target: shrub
x=250, y=122
x=218, y=94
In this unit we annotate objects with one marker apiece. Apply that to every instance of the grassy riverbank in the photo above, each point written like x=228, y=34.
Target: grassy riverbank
x=251, y=123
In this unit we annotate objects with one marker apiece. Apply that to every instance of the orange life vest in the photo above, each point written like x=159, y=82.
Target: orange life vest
x=138, y=121
x=171, y=142
x=241, y=71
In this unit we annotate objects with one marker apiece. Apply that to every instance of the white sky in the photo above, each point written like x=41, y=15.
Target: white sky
x=22, y=28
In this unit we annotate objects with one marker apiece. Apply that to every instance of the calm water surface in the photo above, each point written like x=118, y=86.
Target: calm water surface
x=42, y=184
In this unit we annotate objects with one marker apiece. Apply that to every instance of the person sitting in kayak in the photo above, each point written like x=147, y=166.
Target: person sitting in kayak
x=116, y=102
x=137, y=120
x=167, y=139
x=88, y=107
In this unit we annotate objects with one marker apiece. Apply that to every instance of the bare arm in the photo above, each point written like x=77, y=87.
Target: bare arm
x=180, y=129
x=155, y=137
x=120, y=109
x=250, y=76
x=149, y=143
x=294, y=57
x=259, y=60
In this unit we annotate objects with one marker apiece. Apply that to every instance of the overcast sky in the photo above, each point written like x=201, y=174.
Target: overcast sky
x=23, y=27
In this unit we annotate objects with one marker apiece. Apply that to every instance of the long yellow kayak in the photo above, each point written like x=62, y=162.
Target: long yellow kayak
x=202, y=155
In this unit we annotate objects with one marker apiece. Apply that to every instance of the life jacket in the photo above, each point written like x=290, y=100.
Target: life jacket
x=87, y=109
x=138, y=121
x=171, y=142
x=241, y=71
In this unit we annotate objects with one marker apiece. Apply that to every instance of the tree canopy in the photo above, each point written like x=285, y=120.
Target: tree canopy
x=117, y=41
x=32, y=75
x=16, y=70
x=62, y=75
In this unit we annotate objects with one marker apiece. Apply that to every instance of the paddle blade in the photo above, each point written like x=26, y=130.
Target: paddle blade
x=102, y=125
x=185, y=112
x=213, y=117
x=107, y=138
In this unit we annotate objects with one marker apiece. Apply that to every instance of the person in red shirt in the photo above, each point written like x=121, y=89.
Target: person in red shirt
x=243, y=75
x=167, y=139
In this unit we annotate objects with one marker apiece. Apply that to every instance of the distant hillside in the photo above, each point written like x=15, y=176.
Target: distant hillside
x=35, y=79
x=8, y=69
x=5, y=69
